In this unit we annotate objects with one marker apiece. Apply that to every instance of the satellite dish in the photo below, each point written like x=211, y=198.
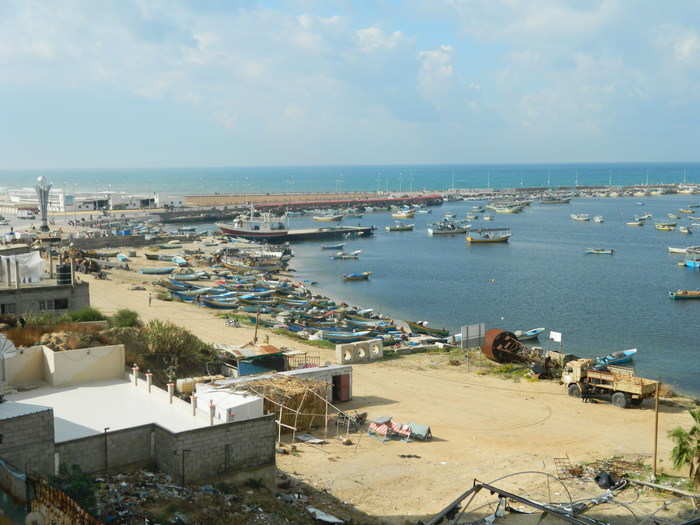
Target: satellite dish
x=7, y=347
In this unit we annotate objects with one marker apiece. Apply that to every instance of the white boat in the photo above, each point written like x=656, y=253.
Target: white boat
x=580, y=217
x=598, y=219
x=685, y=229
x=683, y=250
x=403, y=214
x=488, y=217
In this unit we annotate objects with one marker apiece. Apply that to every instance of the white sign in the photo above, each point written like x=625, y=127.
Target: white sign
x=555, y=336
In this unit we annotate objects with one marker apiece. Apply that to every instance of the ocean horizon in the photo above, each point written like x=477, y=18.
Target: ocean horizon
x=350, y=178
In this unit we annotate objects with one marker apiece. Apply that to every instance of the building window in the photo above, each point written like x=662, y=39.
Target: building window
x=8, y=308
x=60, y=304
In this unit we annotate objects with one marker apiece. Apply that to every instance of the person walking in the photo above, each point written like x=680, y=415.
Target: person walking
x=149, y=299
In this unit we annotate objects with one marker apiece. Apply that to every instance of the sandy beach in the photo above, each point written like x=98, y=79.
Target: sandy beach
x=484, y=427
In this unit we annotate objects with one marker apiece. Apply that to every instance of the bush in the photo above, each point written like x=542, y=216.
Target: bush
x=86, y=314
x=125, y=318
x=78, y=485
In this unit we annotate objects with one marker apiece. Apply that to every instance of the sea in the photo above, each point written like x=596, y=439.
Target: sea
x=542, y=278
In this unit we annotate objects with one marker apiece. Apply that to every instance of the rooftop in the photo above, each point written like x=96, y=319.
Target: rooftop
x=87, y=409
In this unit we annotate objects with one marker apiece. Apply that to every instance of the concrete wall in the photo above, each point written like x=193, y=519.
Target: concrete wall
x=131, y=446
x=28, y=441
x=359, y=352
x=70, y=367
x=26, y=299
x=26, y=367
x=229, y=447
x=73, y=367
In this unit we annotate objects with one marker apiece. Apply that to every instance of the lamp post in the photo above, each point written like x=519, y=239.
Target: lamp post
x=42, y=189
x=106, y=456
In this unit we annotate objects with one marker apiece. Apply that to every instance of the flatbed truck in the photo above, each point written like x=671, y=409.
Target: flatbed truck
x=621, y=385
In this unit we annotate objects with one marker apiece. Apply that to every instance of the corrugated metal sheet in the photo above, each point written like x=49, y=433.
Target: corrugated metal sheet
x=247, y=352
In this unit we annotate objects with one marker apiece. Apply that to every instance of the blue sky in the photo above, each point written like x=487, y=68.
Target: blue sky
x=136, y=83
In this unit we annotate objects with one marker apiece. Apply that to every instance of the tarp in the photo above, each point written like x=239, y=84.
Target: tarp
x=31, y=267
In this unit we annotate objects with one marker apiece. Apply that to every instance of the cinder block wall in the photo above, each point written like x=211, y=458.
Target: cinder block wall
x=126, y=447
x=229, y=447
x=27, y=298
x=27, y=441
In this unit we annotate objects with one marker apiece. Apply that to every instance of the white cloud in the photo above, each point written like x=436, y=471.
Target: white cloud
x=436, y=71
x=373, y=39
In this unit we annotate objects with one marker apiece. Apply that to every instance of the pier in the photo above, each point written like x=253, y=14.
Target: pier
x=309, y=234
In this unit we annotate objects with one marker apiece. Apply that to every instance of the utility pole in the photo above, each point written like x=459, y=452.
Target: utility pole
x=656, y=428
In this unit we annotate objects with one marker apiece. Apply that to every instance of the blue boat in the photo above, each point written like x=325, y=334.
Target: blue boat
x=157, y=271
x=615, y=358
x=122, y=257
x=338, y=246
x=219, y=305
x=529, y=335
x=344, y=337
x=180, y=261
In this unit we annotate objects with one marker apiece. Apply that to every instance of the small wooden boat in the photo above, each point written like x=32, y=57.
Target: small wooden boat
x=635, y=223
x=328, y=218
x=615, y=358
x=529, y=334
x=157, y=271
x=363, y=276
x=685, y=294
x=122, y=257
x=152, y=256
x=403, y=214
x=343, y=337
x=685, y=229
x=344, y=256
x=180, y=261
x=421, y=328
x=338, y=246
x=665, y=227
x=686, y=211
x=600, y=251
x=400, y=228
x=599, y=219
x=194, y=276
x=672, y=216
x=488, y=236
x=219, y=305
x=582, y=217
x=488, y=217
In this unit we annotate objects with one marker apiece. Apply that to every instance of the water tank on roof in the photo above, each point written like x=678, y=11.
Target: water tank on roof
x=63, y=274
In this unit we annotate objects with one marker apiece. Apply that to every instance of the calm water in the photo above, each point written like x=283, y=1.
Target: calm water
x=541, y=278
x=355, y=178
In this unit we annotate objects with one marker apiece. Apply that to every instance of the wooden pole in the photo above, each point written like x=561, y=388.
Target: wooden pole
x=279, y=429
x=656, y=428
x=326, y=416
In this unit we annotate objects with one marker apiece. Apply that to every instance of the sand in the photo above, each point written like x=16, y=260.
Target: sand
x=484, y=427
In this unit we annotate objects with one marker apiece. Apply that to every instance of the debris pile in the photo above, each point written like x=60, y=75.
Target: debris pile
x=60, y=341
x=301, y=401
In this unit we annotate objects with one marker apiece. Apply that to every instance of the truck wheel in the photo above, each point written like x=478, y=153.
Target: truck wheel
x=574, y=390
x=636, y=402
x=620, y=400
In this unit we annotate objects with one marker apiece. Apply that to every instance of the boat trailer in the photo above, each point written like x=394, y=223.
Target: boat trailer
x=570, y=514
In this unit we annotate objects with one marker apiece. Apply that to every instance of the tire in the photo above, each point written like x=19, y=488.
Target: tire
x=620, y=400
x=636, y=402
x=574, y=390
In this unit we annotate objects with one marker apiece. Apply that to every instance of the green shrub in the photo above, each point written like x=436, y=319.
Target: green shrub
x=125, y=318
x=86, y=314
x=78, y=485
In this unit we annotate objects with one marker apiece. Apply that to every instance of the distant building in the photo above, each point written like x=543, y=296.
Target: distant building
x=24, y=288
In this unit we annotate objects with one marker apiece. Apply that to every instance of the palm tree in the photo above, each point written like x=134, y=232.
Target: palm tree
x=687, y=449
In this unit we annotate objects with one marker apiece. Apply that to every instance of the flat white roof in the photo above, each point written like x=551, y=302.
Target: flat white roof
x=10, y=409
x=87, y=409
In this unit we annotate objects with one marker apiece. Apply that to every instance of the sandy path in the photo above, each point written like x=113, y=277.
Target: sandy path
x=484, y=427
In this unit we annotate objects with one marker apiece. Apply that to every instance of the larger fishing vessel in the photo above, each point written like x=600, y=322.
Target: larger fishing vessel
x=261, y=227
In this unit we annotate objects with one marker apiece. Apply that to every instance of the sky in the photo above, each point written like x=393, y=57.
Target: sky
x=162, y=83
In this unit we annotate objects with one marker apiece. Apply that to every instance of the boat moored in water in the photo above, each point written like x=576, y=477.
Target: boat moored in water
x=488, y=235
x=362, y=276
x=529, y=334
x=600, y=251
x=685, y=294
x=615, y=358
x=582, y=217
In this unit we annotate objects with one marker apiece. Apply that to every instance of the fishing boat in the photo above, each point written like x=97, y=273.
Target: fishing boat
x=338, y=246
x=635, y=223
x=363, y=276
x=513, y=208
x=423, y=211
x=403, y=214
x=448, y=227
x=262, y=227
x=529, y=334
x=343, y=337
x=555, y=200
x=122, y=257
x=673, y=216
x=422, y=328
x=600, y=251
x=157, y=271
x=152, y=256
x=685, y=229
x=615, y=358
x=194, y=276
x=329, y=218
x=686, y=211
x=180, y=261
x=217, y=304
x=400, y=228
x=488, y=235
x=665, y=227
x=471, y=217
x=582, y=217
x=448, y=216
x=478, y=209
x=690, y=249
x=685, y=294
x=488, y=217
x=599, y=219
x=643, y=217
x=345, y=256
